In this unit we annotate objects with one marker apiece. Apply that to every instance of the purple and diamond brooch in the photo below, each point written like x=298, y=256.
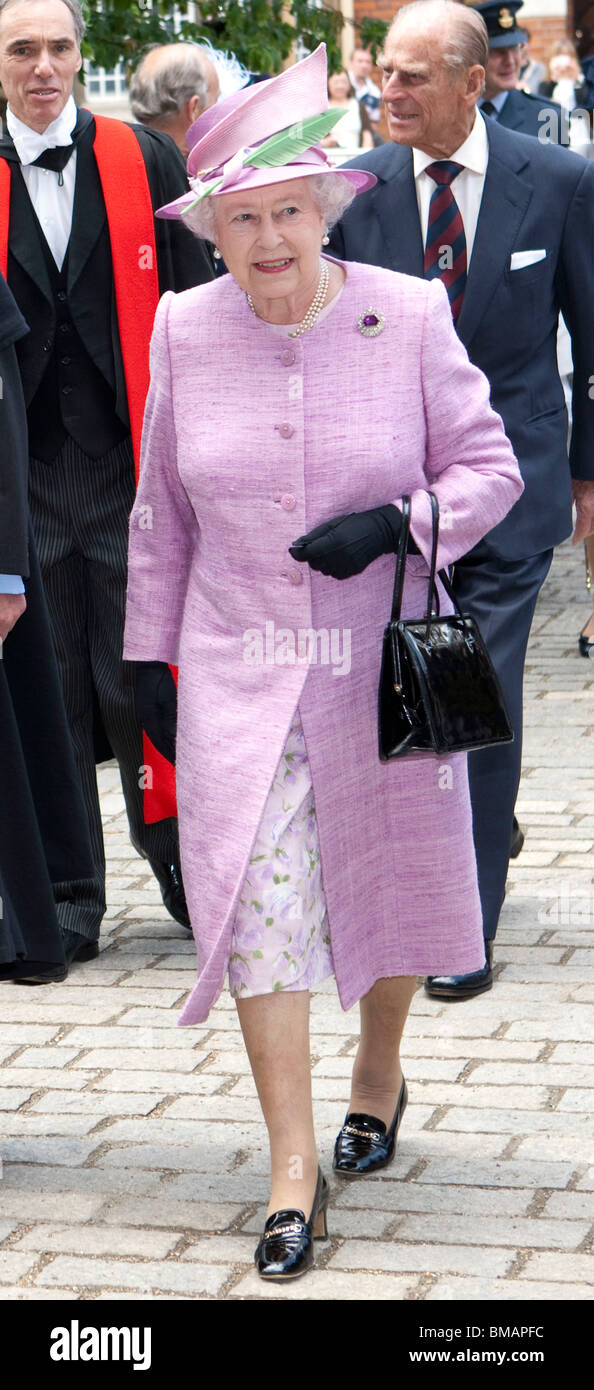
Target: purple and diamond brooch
x=371, y=323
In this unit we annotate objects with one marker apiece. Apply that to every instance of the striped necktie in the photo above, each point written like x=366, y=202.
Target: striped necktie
x=445, y=251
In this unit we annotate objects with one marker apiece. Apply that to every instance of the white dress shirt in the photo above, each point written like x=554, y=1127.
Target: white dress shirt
x=467, y=187
x=53, y=202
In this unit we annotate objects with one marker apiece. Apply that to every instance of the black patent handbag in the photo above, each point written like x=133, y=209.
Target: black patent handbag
x=438, y=691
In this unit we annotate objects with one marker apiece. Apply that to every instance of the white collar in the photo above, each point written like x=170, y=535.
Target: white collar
x=29, y=144
x=473, y=154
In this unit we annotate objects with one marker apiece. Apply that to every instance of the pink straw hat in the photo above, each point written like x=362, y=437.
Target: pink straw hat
x=264, y=134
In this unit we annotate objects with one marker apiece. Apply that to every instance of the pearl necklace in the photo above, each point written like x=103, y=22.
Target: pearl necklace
x=315, y=308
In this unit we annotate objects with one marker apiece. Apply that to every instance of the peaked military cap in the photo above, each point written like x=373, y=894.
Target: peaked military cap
x=501, y=23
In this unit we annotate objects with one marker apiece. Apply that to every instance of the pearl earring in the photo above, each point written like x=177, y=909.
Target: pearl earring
x=216, y=253
x=325, y=239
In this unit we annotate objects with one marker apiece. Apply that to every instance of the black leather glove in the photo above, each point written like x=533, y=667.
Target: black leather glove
x=346, y=546
x=156, y=705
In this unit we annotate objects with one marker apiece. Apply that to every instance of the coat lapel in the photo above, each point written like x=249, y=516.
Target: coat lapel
x=398, y=214
x=26, y=248
x=506, y=196
x=512, y=114
x=88, y=214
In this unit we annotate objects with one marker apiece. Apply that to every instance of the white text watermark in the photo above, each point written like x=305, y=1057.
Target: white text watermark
x=302, y=646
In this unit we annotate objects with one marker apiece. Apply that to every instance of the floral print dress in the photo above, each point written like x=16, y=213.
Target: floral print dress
x=280, y=934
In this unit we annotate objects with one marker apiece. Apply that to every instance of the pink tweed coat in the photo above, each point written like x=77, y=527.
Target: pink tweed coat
x=250, y=440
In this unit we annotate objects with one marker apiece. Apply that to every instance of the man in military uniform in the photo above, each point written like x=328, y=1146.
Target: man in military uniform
x=502, y=100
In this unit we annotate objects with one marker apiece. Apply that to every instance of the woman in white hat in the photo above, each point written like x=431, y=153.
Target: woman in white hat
x=292, y=403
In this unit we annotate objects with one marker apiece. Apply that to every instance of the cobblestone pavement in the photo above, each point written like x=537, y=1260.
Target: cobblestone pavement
x=134, y=1155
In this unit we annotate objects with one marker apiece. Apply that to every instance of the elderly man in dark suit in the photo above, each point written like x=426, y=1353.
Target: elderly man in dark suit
x=508, y=224
x=86, y=263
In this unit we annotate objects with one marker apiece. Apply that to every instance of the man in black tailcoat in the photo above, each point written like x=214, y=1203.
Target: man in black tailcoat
x=45, y=851
x=84, y=374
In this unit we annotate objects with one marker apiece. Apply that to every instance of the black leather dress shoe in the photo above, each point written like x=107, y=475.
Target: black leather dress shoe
x=586, y=645
x=41, y=973
x=463, y=986
x=285, y=1250
x=364, y=1144
x=517, y=840
x=169, y=878
x=76, y=948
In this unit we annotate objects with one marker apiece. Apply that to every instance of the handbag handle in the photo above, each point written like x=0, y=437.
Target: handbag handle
x=401, y=561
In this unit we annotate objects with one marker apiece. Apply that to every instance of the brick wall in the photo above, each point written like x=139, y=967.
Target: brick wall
x=545, y=31
x=375, y=9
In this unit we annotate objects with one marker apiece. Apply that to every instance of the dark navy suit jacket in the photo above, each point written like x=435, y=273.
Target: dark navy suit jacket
x=536, y=198
x=534, y=115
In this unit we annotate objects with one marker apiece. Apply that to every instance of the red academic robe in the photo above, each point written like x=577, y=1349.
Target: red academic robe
x=130, y=219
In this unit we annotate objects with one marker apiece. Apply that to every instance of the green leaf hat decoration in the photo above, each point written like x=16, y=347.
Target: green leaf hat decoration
x=287, y=144
x=281, y=148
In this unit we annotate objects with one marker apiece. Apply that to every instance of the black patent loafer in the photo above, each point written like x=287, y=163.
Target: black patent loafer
x=76, y=948
x=463, y=986
x=286, y=1250
x=169, y=878
x=586, y=645
x=364, y=1144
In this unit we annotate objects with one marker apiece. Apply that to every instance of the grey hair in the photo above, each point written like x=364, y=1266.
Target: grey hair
x=331, y=196
x=175, y=81
x=466, y=43
x=72, y=5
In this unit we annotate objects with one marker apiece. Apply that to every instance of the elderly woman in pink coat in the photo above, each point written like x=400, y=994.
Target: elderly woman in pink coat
x=292, y=403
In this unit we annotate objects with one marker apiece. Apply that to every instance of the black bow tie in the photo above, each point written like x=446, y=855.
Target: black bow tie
x=55, y=159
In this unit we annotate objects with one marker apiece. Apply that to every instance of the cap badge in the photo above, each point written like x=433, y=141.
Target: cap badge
x=505, y=19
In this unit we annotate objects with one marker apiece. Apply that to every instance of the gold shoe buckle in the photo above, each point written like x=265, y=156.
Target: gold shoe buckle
x=362, y=1133
x=284, y=1231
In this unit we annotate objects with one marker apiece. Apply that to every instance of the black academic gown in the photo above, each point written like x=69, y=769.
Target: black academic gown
x=183, y=261
x=43, y=823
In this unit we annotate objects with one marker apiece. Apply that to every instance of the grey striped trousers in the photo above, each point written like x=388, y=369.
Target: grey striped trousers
x=80, y=508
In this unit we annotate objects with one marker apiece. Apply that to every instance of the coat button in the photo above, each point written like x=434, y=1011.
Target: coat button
x=66, y=390
x=288, y=502
x=61, y=295
x=295, y=577
x=285, y=431
x=288, y=357
x=47, y=346
x=65, y=361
